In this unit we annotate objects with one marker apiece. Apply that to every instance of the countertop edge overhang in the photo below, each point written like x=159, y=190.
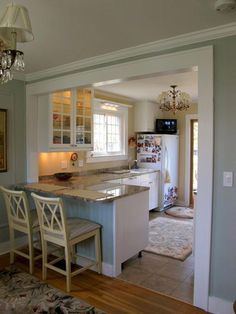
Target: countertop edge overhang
x=93, y=188
x=111, y=194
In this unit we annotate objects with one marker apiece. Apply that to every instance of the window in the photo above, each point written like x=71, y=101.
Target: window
x=109, y=132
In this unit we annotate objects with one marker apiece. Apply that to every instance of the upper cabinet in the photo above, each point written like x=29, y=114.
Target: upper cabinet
x=145, y=115
x=61, y=117
x=69, y=116
x=83, y=118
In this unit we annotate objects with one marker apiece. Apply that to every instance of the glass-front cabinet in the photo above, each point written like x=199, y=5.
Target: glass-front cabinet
x=83, y=115
x=71, y=119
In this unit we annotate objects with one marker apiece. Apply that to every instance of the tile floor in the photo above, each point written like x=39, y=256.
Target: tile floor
x=160, y=273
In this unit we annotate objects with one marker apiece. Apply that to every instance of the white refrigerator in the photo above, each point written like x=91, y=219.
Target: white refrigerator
x=161, y=152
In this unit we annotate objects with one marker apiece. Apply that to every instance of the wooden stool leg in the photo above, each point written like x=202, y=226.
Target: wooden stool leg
x=31, y=253
x=98, y=251
x=12, y=244
x=68, y=269
x=73, y=252
x=45, y=258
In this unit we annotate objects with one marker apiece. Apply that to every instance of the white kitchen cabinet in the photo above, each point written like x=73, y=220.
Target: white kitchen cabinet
x=145, y=115
x=71, y=119
x=131, y=180
x=130, y=233
x=65, y=120
x=150, y=180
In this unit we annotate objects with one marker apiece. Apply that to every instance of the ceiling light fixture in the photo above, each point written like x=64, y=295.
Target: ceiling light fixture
x=15, y=27
x=174, y=100
x=109, y=106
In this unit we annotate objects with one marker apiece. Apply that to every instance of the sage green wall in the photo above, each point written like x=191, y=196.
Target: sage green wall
x=223, y=262
x=12, y=98
x=223, y=252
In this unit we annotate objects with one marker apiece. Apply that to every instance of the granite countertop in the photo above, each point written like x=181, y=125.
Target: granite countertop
x=93, y=187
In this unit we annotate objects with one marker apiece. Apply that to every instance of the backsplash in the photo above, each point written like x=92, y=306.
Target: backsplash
x=50, y=163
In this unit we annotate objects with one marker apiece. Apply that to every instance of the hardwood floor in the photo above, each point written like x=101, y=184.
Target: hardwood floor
x=111, y=295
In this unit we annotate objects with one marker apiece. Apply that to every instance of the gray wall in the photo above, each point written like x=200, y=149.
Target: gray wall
x=223, y=263
x=12, y=98
x=223, y=253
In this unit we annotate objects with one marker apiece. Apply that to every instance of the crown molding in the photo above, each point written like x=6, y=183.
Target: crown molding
x=151, y=47
x=19, y=76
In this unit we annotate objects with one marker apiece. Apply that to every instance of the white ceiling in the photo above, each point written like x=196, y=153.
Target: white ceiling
x=149, y=88
x=72, y=30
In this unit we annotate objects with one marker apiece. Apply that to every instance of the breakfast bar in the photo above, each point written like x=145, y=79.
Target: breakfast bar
x=121, y=210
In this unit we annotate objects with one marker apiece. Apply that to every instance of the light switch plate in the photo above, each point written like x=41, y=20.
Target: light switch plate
x=228, y=178
x=64, y=164
x=81, y=163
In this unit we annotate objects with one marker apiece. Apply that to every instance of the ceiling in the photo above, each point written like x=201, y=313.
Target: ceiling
x=150, y=87
x=70, y=30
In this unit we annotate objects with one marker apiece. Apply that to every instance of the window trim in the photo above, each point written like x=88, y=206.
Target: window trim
x=122, y=111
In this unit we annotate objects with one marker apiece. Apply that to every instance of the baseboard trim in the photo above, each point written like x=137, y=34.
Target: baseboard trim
x=107, y=269
x=5, y=246
x=220, y=306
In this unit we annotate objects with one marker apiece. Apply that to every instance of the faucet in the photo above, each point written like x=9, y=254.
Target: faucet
x=129, y=163
x=134, y=162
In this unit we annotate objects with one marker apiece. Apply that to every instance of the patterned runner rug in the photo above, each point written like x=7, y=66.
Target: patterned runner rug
x=170, y=237
x=181, y=212
x=21, y=292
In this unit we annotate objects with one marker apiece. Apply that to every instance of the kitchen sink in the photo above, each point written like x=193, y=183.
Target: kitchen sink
x=140, y=170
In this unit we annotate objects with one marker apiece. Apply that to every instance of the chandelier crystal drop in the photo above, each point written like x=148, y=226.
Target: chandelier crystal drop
x=174, y=100
x=11, y=60
x=15, y=27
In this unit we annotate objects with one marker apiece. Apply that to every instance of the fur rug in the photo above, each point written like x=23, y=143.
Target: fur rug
x=180, y=212
x=170, y=237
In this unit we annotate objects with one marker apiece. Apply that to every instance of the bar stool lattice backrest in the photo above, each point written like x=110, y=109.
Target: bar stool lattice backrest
x=22, y=219
x=67, y=233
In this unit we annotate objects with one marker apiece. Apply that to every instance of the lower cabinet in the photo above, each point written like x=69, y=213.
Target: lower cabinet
x=130, y=225
x=149, y=180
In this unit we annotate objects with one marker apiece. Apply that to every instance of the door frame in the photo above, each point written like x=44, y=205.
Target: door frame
x=188, y=119
x=200, y=58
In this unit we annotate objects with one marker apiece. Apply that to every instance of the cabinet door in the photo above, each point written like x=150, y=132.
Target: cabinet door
x=61, y=119
x=83, y=118
x=71, y=119
x=131, y=180
x=151, y=180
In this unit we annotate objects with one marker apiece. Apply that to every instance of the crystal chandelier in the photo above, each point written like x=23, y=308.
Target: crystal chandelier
x=15, y=27
x=174, y=100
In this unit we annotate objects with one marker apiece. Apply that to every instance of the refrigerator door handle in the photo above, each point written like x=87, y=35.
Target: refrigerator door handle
x=167, y=170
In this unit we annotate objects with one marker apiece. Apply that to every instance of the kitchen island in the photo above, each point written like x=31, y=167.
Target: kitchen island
x=122, y=210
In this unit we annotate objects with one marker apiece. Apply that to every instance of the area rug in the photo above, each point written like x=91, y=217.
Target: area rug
x=170, y=237
x=180, y=212
x=23, y=293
